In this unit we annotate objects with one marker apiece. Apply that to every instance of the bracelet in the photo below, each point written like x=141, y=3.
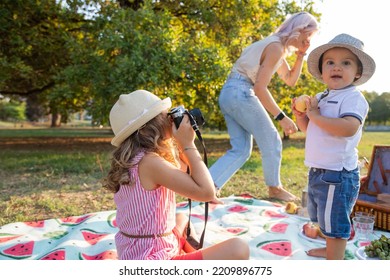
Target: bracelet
x=298, y=53
x=189, y=148
x=280, y=116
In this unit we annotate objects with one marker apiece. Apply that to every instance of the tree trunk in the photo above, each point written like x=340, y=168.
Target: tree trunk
x=55, y=120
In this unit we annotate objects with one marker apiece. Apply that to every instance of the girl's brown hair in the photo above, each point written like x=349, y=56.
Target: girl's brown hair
x=150, y=138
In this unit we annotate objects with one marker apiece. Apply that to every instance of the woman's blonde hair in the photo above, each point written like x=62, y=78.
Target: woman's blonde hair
x=150, y=138
x=294, y=25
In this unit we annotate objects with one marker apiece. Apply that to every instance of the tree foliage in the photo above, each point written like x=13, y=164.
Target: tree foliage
x=73, y=55
x=379, y=112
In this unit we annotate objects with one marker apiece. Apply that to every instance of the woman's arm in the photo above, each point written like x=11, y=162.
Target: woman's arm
x=291, y=76
x=269, y=61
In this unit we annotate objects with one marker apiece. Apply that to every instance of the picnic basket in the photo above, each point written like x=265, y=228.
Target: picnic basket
x=374, y=195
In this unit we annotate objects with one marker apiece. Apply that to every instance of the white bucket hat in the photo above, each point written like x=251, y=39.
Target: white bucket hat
x=132, y=111
x=344, y=41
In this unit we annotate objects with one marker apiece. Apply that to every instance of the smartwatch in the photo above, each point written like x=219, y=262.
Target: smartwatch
x=280, y=116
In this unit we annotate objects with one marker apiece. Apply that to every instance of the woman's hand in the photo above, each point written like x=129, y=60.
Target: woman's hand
x=288, y=126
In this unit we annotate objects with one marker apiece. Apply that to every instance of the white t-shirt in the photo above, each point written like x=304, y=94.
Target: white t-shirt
x=249, y=62
x=327, y=151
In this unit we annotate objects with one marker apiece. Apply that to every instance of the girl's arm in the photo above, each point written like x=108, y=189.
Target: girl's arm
x=156, y=171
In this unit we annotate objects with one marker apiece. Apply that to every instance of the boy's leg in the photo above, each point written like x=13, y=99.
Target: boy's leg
x=335, y=248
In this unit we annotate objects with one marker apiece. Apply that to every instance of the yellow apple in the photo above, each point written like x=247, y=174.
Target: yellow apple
x=291, y=208
x=300, y=103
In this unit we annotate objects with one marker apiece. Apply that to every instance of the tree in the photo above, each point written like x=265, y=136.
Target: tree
x=379, y=112
x=181, y=49
x=32, y=53
x=67, y=59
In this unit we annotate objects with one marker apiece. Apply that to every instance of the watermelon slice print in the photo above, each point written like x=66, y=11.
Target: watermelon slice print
x=182, y=204
x=74, y=220
x=19, y=251
x=247, y=201
x=237, y=230
x=56, y=255
x=36, y=224
x=276, y=228
x=276, y=247
x=238, y=209
x=106, y=255
x=272, y=214
x=4, y=237
x=93, y=237
x=111, y=220
x=201, y=217
x=246, y=195
x=56, y=234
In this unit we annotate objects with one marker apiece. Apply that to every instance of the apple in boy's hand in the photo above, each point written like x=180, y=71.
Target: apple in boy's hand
x=310, y=230
x=300, y=103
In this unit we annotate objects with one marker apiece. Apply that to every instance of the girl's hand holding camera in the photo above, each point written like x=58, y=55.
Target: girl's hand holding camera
x=185, y=134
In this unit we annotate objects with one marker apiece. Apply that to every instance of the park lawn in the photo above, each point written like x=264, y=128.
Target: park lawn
x=56, y=172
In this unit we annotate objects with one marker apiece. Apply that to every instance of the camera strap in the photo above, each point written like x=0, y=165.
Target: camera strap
x=199, y=135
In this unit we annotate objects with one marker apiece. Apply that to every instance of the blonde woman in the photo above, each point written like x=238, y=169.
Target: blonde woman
x=249, y=107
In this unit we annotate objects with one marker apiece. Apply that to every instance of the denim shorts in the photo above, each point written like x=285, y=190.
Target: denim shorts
x=331, y=197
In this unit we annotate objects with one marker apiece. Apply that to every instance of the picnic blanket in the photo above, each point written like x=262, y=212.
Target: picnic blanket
x=271, y=233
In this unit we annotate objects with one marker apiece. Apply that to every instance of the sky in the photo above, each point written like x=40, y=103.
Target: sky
x=367, y=20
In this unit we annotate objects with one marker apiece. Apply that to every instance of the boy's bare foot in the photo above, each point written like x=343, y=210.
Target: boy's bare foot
x=281, y=193
x=317, y=252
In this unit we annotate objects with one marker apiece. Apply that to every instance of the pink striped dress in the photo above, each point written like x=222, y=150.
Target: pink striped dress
x=143, y=212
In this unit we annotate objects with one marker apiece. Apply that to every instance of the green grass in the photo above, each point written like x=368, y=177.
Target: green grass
x=44, y=177
x=56, y=132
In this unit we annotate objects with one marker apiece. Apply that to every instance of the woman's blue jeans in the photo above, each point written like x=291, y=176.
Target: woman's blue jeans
x=246, y=118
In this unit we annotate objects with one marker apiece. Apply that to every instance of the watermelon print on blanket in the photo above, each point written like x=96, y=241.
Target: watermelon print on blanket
x=238, y=209
x=111, y=220
x=93, y=237
x=35, y=224
x=270, y=233
x=276, y=227
x=4, y=237
x=56, y=255
x=243, y=200
x=19, y=251
x=272, y=214
x=237, y=230
x=106, y=255
x=74, y=220
x=277, y=247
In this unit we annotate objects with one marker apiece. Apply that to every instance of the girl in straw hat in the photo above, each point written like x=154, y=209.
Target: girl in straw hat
x=333, y=124
x=145, y=174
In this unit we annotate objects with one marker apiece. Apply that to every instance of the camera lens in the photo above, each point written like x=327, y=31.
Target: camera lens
x=195, y=115
x=198, y=117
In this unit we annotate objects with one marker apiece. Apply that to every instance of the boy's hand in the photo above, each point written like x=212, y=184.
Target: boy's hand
x=312, y=107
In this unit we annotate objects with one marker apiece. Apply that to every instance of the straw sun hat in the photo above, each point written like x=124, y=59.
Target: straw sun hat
x=132, y=111
x=344, y=41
